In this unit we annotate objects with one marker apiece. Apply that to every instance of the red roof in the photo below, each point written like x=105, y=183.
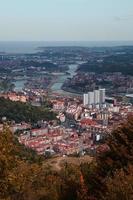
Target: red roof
x=88, y=122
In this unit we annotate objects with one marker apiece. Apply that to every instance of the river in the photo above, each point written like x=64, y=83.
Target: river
x=56, y=87
x=19, y=85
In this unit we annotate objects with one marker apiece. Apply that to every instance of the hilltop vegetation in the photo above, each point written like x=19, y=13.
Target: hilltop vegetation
x=114, y=167
x=21, y=179
x=19, y=112
x=108, y=177
x=115, y=63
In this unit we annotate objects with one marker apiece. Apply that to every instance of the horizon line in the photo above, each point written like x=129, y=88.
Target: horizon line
x=66, y=40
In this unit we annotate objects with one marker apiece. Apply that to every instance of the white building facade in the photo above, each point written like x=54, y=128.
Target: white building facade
x=95, y=98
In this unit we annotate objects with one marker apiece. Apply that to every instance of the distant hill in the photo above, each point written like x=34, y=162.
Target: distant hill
x=115, y=63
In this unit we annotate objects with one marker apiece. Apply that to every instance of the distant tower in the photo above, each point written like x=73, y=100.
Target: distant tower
x=96, y=96
x=85, y=99
x=102, y=95
x=90, y=98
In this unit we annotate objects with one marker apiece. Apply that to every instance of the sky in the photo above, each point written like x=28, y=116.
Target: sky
x=66, y=20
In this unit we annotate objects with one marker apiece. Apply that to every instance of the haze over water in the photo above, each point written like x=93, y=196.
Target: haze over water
x=32, y=47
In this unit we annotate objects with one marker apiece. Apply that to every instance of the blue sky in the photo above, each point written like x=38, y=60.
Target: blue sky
x=66, y=20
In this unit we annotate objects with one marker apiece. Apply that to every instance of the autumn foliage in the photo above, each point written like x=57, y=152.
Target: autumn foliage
x=23, y=175
x=24, y=179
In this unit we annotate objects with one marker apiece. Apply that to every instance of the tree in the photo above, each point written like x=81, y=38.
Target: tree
x=120, y=186
x=100, y=174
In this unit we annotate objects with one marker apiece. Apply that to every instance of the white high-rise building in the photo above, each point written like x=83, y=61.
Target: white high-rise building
x=90, y=98
x=102, y=96
x=85, y=99
x=96, y=96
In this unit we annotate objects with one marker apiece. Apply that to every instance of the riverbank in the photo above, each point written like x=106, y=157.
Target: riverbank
x=70, y=90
